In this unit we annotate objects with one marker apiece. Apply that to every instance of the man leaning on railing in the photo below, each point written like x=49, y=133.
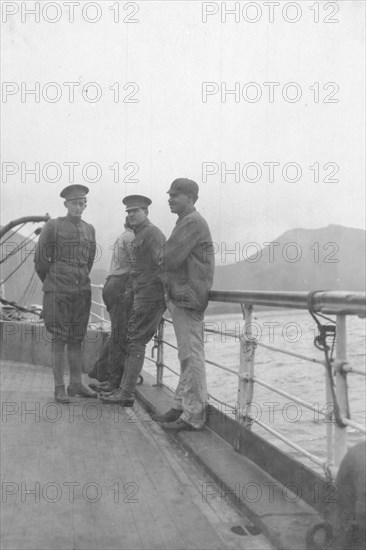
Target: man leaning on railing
x=187, y=267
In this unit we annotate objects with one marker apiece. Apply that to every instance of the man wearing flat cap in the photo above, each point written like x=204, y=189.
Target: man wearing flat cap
x=148, y=296
x=187, y=263
x=64, y=256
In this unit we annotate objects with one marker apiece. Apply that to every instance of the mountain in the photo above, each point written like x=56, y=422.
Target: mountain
x=329, y=258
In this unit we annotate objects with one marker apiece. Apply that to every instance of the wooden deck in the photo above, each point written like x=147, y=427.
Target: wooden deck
x=94, y=476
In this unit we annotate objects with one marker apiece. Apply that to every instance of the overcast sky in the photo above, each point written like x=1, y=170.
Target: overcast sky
x=173, y=128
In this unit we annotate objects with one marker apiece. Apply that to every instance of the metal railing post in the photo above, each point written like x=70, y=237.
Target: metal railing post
x=329, y=419
x=102, y=308
x=160, y=354
x=340, y=435
x=246, y=369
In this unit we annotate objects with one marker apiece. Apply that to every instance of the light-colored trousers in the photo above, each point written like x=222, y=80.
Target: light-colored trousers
x=191, y=393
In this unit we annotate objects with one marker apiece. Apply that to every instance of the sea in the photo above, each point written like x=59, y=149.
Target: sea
x=291, y=331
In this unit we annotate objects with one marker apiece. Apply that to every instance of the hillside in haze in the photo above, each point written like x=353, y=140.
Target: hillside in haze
x=329, y=258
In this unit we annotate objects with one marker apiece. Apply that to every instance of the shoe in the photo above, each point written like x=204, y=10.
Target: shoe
x=108, y=393
x=178, y=426
x=118, y=398
x=169, y=416
x=60, y=395
x=82, y=391
x=103, y=386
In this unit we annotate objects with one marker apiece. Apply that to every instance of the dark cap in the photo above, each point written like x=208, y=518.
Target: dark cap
x=136, y=201
x=185, y=186
x=74, y=191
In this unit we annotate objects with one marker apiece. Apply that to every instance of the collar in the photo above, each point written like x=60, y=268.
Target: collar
x=73, y=219
x=145, y=223
x=186, y=214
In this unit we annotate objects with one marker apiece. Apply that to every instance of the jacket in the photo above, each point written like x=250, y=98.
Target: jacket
x=145, y=268
x=187, y=261
x=65, y=254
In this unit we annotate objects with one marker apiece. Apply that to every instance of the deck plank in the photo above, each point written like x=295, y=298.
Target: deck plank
x=133, y=487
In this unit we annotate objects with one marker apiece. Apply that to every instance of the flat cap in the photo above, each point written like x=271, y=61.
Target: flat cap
x=185, y=186
x=74, y=191
x=136, y=201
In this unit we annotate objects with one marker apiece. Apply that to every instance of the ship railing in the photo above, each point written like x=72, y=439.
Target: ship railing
x=340, y=304
x=97, y=289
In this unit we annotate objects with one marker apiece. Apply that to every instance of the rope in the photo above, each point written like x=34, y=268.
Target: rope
x=15, y=305
x=16, y=269
x=13, y=233
x=21, y=245
x=320, y=342
x=13, y=252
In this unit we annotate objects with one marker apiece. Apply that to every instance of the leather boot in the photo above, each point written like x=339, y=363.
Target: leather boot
x=125, y=396
x=102, y=387
x=75, y=359
x=118, y=398
x=170, y=416
x=58, y=356
x=60, y=395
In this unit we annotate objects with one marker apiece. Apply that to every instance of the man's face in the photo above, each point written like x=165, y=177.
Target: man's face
x=75, y=207
x=136, y=216
x=179, y=202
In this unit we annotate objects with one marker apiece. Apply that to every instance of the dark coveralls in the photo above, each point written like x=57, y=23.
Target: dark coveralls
x=64, y=256
x=148, y=302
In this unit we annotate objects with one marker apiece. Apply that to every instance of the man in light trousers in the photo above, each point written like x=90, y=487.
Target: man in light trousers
x=187, y=264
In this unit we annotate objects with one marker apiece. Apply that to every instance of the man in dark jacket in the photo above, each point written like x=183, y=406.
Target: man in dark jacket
x=187, y=262
x=148, y=296
x=64, y=256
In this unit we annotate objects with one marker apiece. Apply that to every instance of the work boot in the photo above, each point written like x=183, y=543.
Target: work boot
x=75, y=359
x=125, y=395
x=58, y=356
x=108, y=393
x=60, y=395
x=169, y=416
x=79, y=389
x=102, y=387
x=118, y=398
